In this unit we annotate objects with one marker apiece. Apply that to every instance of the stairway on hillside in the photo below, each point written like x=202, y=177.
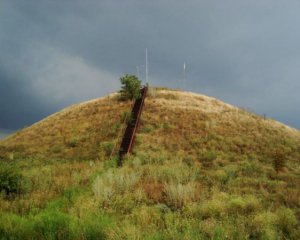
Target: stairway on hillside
x=132, y=126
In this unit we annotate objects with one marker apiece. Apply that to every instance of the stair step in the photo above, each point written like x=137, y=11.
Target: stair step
x=129, y=134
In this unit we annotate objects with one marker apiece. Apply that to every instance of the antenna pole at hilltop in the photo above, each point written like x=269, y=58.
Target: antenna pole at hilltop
x=138, y=71
x=184, y=75
x=146, y=65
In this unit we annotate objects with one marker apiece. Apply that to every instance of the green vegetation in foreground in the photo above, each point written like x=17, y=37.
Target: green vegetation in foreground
x=229, y=176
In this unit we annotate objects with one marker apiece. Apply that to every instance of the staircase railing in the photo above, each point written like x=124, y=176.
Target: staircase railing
x=131, y=129
x=145, y=89
x=121, y=133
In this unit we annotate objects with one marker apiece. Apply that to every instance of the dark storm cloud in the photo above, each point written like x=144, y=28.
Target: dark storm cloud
x=55, y=53
x=19, y=107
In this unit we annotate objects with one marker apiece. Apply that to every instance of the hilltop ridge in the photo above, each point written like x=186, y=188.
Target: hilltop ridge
x=78, y=130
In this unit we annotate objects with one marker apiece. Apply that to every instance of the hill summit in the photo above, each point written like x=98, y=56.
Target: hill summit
x=200, y=169
x=172, y=120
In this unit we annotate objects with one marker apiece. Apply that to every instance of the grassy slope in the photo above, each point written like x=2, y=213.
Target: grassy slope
x=74, y=133
x=201, y=169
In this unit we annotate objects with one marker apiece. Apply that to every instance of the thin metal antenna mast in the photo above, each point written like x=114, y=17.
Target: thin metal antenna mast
x=184, y=75
x=146, y=65
x=138, y=71
x=184, y=78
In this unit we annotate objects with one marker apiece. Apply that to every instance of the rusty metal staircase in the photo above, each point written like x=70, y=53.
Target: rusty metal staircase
x=132, y=126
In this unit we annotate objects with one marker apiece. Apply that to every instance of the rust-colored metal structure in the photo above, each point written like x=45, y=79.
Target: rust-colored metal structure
x=132, y=126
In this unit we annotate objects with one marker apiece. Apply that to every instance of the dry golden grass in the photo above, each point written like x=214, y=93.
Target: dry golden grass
x=74, y=132
x=79, y=130
x=200, y=169
x=190, y=101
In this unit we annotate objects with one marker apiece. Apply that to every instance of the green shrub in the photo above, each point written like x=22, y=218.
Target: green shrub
x=286, y=222
x=93, y=225
x=10, y=180
x=53, y=225
x=16, y=227
x=130, y=87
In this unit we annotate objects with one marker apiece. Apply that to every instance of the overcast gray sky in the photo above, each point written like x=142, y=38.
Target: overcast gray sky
x=58, y=52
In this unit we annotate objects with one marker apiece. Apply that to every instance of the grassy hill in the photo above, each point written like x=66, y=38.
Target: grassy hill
x=201, y=169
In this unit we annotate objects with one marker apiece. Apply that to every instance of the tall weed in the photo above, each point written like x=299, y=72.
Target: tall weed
x=178, y=195
x=115, y=181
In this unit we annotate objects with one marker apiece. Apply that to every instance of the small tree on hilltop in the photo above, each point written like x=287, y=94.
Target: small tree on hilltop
x=130, y=87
